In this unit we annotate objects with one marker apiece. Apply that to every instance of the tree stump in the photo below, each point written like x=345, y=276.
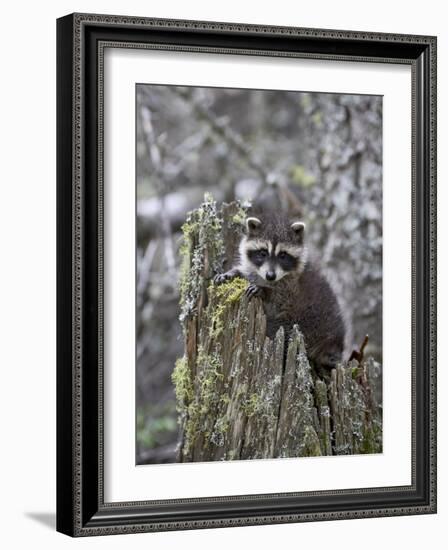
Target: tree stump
x=242, y=395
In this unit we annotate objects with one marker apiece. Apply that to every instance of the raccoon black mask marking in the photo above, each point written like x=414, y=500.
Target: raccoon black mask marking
x=272, y=249
x=273, y=257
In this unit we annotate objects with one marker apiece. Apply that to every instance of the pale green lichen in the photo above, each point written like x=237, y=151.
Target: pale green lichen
x=183, y=385
x=222, y=297
x=225, y=398
x=199, y=413
x=372, y=438
x=253, y=405
x=184, y=389
x=231, y=291
x=240, y=215
x=202, y=239
x=310, y=445
x=218, y=434
x=191, y=428
x=209, y=373
x=355, y=370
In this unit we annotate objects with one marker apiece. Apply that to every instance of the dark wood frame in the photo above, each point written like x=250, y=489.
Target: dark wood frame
x=81, y=39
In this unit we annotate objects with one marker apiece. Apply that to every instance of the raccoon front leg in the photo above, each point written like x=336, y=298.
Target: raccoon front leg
x=227, y=276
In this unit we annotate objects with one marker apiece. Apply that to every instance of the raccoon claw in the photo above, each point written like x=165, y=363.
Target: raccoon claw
x=221, y=278
x=252, y=291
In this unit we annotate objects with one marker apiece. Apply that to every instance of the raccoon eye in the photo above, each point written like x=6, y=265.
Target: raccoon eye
x=283, y=255
x=263, y=253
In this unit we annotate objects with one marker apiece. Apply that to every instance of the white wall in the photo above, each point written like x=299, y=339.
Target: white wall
x=27, y=272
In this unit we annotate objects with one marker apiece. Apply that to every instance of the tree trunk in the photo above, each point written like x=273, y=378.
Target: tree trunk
x=242, y=395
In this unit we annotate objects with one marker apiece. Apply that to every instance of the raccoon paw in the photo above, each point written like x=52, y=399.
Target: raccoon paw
x=252, y=291
x=222, y=278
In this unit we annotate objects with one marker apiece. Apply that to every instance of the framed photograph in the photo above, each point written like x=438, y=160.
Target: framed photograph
x=246, y=274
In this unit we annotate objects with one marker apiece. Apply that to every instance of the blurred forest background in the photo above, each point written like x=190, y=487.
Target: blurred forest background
x=317, y=156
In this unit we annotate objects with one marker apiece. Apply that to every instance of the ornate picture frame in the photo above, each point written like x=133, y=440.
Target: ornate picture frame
x=81, y=506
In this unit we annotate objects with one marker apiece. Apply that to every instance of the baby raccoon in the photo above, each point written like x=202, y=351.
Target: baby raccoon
x=273, y=258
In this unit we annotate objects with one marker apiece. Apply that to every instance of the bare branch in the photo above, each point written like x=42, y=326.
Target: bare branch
x=156, y=159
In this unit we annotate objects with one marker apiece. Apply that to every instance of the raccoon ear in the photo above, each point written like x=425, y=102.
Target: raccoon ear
x=252, y=225
x=299, y=230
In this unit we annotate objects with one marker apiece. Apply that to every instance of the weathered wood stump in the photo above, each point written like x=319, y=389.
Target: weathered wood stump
x=242, y=395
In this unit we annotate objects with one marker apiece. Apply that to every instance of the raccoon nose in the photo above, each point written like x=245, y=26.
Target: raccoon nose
x=270, y=276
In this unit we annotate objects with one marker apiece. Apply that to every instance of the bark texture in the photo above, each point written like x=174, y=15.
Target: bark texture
x=241, y=395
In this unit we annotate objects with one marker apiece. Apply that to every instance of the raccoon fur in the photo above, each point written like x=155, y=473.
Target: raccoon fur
x=273, y=257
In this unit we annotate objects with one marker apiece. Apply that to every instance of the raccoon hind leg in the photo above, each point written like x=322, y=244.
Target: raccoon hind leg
x=327, y=359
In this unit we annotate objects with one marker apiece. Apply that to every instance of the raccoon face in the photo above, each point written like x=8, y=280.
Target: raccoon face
x=273, y=257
